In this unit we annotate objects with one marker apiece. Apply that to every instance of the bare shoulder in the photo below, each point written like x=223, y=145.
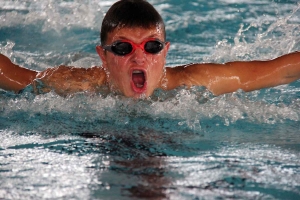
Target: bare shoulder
x=66, y=80
x=193, y=74
x=74, y=73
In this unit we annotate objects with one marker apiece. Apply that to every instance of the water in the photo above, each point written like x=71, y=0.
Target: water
x=182, y=144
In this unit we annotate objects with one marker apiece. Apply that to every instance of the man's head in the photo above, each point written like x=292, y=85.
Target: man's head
x=133, y=48
x=130, y=14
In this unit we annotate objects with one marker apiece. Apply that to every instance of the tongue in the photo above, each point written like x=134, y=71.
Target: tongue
x=138, y=79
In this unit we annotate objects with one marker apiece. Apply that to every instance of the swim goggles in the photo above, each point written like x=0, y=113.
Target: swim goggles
x=127, y=47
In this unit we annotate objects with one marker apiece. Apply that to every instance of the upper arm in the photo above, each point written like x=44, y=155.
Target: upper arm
x=14, y=77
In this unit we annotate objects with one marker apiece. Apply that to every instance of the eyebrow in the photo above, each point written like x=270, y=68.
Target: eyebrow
x=150, y=36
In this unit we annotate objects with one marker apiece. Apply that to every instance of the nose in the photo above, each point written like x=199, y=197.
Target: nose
x=139, y=56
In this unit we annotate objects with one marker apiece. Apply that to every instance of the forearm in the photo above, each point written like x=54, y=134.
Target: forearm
x=262, y=74
x=13, y=77
x=288, y=67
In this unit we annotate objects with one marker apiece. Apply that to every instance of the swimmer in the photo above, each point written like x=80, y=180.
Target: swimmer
x=133, y=51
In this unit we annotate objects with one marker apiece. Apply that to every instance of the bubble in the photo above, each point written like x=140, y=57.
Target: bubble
x=273, y=38
x=7, y=49
x=55, y=15
x=181, y=108
x=164, y=82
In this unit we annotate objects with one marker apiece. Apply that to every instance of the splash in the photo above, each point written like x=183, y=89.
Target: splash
x=271, y=40
x=173, y=111
x=190, y=142
x=180, y=110
x=7, y=48
x=54, y=15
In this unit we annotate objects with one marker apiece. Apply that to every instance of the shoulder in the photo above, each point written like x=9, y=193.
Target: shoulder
x=187, y=75
x=74, y=72
x=198, y=74
x=98, y=74
x=65, y=80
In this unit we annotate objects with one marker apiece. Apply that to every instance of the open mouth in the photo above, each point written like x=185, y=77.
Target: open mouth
x=138, y=80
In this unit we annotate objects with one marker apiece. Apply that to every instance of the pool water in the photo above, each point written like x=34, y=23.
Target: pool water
x=181, y=144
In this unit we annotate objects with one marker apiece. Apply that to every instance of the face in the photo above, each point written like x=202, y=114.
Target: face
x=139, y=73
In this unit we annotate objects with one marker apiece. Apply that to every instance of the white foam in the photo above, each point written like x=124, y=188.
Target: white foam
x=281, y=37
x=187, y=108
x=55, y=15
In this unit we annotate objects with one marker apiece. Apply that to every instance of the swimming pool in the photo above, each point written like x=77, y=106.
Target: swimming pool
x=182, y=144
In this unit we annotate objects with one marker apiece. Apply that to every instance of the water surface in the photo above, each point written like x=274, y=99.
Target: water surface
x=182, y=144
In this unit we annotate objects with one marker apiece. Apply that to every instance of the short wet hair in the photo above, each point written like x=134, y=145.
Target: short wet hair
x=130, y=14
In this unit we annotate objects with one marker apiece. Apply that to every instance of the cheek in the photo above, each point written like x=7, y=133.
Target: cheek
x=157, y=69
x=158, y=63
x=116, y=65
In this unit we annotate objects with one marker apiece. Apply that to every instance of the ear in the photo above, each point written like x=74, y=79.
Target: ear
x=102, y=55
x=166, y=49
x=168, y=46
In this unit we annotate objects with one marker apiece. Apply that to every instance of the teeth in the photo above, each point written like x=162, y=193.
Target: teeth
x=139, y=85
x=137, y=72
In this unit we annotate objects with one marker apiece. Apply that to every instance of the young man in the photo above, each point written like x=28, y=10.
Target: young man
x=133, y=52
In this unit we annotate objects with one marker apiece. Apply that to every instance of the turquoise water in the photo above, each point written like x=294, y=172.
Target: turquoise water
x=182, y=144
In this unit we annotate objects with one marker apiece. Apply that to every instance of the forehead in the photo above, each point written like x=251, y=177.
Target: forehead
x=135, y=34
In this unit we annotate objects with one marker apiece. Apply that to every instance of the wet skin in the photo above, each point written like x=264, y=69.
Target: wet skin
x=139, y=74
x=120, y=69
